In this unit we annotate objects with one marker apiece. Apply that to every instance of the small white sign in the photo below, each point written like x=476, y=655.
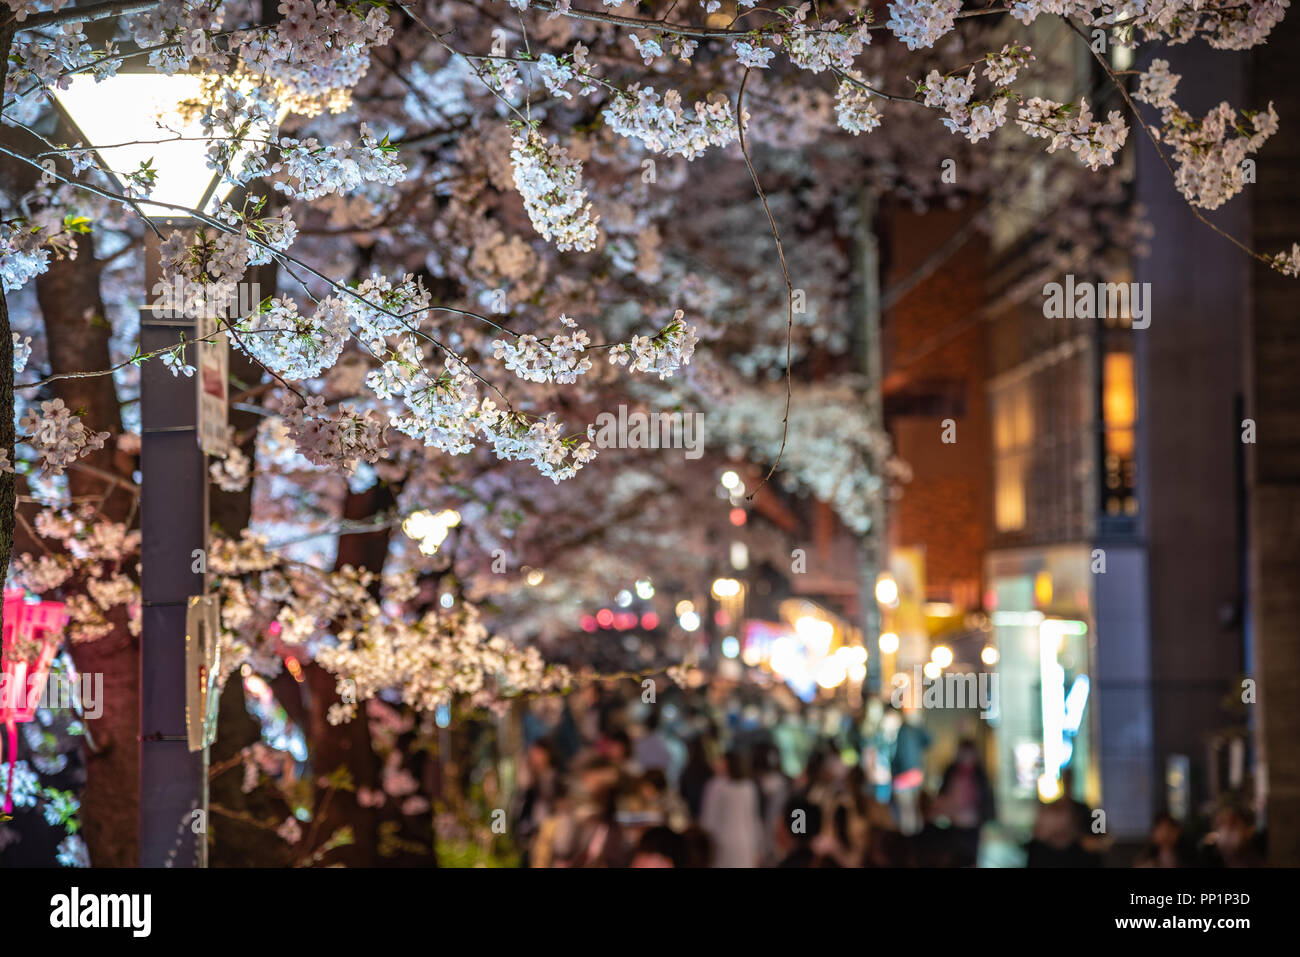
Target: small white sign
x=202, y=664
x=213, y=385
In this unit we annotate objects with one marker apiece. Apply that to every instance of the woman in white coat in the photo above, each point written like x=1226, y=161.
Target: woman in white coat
x=729, y=813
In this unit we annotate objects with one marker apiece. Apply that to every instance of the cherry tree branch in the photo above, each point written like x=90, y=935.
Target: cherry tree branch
x=86, y=14
x=701, y=33
x=1155, y=141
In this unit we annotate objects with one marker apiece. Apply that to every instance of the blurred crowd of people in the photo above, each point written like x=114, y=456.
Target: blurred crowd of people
x=729, y=779
x=609, y=781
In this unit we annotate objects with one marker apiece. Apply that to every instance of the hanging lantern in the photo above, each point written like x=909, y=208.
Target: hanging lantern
x=30, y=641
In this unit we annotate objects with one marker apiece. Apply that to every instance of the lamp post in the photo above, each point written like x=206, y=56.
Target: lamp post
x=128, y=119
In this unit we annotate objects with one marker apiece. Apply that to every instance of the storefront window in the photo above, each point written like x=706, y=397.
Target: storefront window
x=1013, y=431
x=1119, y=420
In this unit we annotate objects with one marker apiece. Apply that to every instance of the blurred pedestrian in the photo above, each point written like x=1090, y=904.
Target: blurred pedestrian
x=1233, y=842
x=729, y=812
x=600, y=840
x=695, y=775
x=966, y=800
x=651, y=751
x=659, y=847
x=803, y=822
x=908, y=767
x=541, y=781
x=773, y=792
x=1165, y=846
x=1056, y=839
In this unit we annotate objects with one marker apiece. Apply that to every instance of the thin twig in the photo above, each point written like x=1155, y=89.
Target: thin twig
x=785, y=270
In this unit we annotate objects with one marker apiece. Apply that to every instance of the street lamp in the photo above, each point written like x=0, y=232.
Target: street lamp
x=134, y=117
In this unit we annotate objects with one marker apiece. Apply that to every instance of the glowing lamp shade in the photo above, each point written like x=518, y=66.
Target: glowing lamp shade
x=134, y=117
x=31, y=638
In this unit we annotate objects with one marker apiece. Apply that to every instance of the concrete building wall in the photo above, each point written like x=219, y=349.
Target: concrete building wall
x=1122, y=704
x=1273, y=358
x=1190, y=377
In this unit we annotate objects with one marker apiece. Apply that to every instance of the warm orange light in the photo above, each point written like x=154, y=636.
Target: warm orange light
x=1043, y=588
x=1119, y=403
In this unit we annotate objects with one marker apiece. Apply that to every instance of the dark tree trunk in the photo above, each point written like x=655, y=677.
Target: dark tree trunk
x=8, y=481
x=77, y=334
x=8, y=493
x=239, y=822
x=348, y=745
x=229, y=512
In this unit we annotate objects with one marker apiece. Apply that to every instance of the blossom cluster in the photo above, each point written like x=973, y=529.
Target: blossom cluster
x=231, y=115
x=23, y=256
x=1094, y=142
x=854, y=108
x=550, y=182
x=368, y=644
x=541, y=442
x=312, y=170
x=201, y=270
x=275, y=232
x=317, y=51
x=59, y=437
x=380, y=309
x=920, y=23
x=830, y=45
x=556, y=73
x=749, y=55
x=232, y=473
x=176, y=20
x=1228, y=27
x=293, y=345
x=45, y=57
x=648, y=48
x=445, y=411
x=22, y=352
x=1288, y=263
x=832, y=447
x=21, y=8
x=952, y=94
x=664, y=126
x=94, y=550
x=340, y=440
x=1003, y=67
x=557, y=359
x=1209, y=154
x=663, y=354
x=440, y=657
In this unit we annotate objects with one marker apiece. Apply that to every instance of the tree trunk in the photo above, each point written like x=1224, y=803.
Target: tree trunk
x=348, y=745
x=76, y=335
x=8, y=480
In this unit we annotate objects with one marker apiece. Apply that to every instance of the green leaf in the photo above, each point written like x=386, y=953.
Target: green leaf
x=76, y=224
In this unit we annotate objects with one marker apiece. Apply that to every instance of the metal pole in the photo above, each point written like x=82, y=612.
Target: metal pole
x=173, y=525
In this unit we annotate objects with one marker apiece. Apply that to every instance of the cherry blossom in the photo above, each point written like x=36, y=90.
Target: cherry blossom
x=549, y=180
x=58, y=437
